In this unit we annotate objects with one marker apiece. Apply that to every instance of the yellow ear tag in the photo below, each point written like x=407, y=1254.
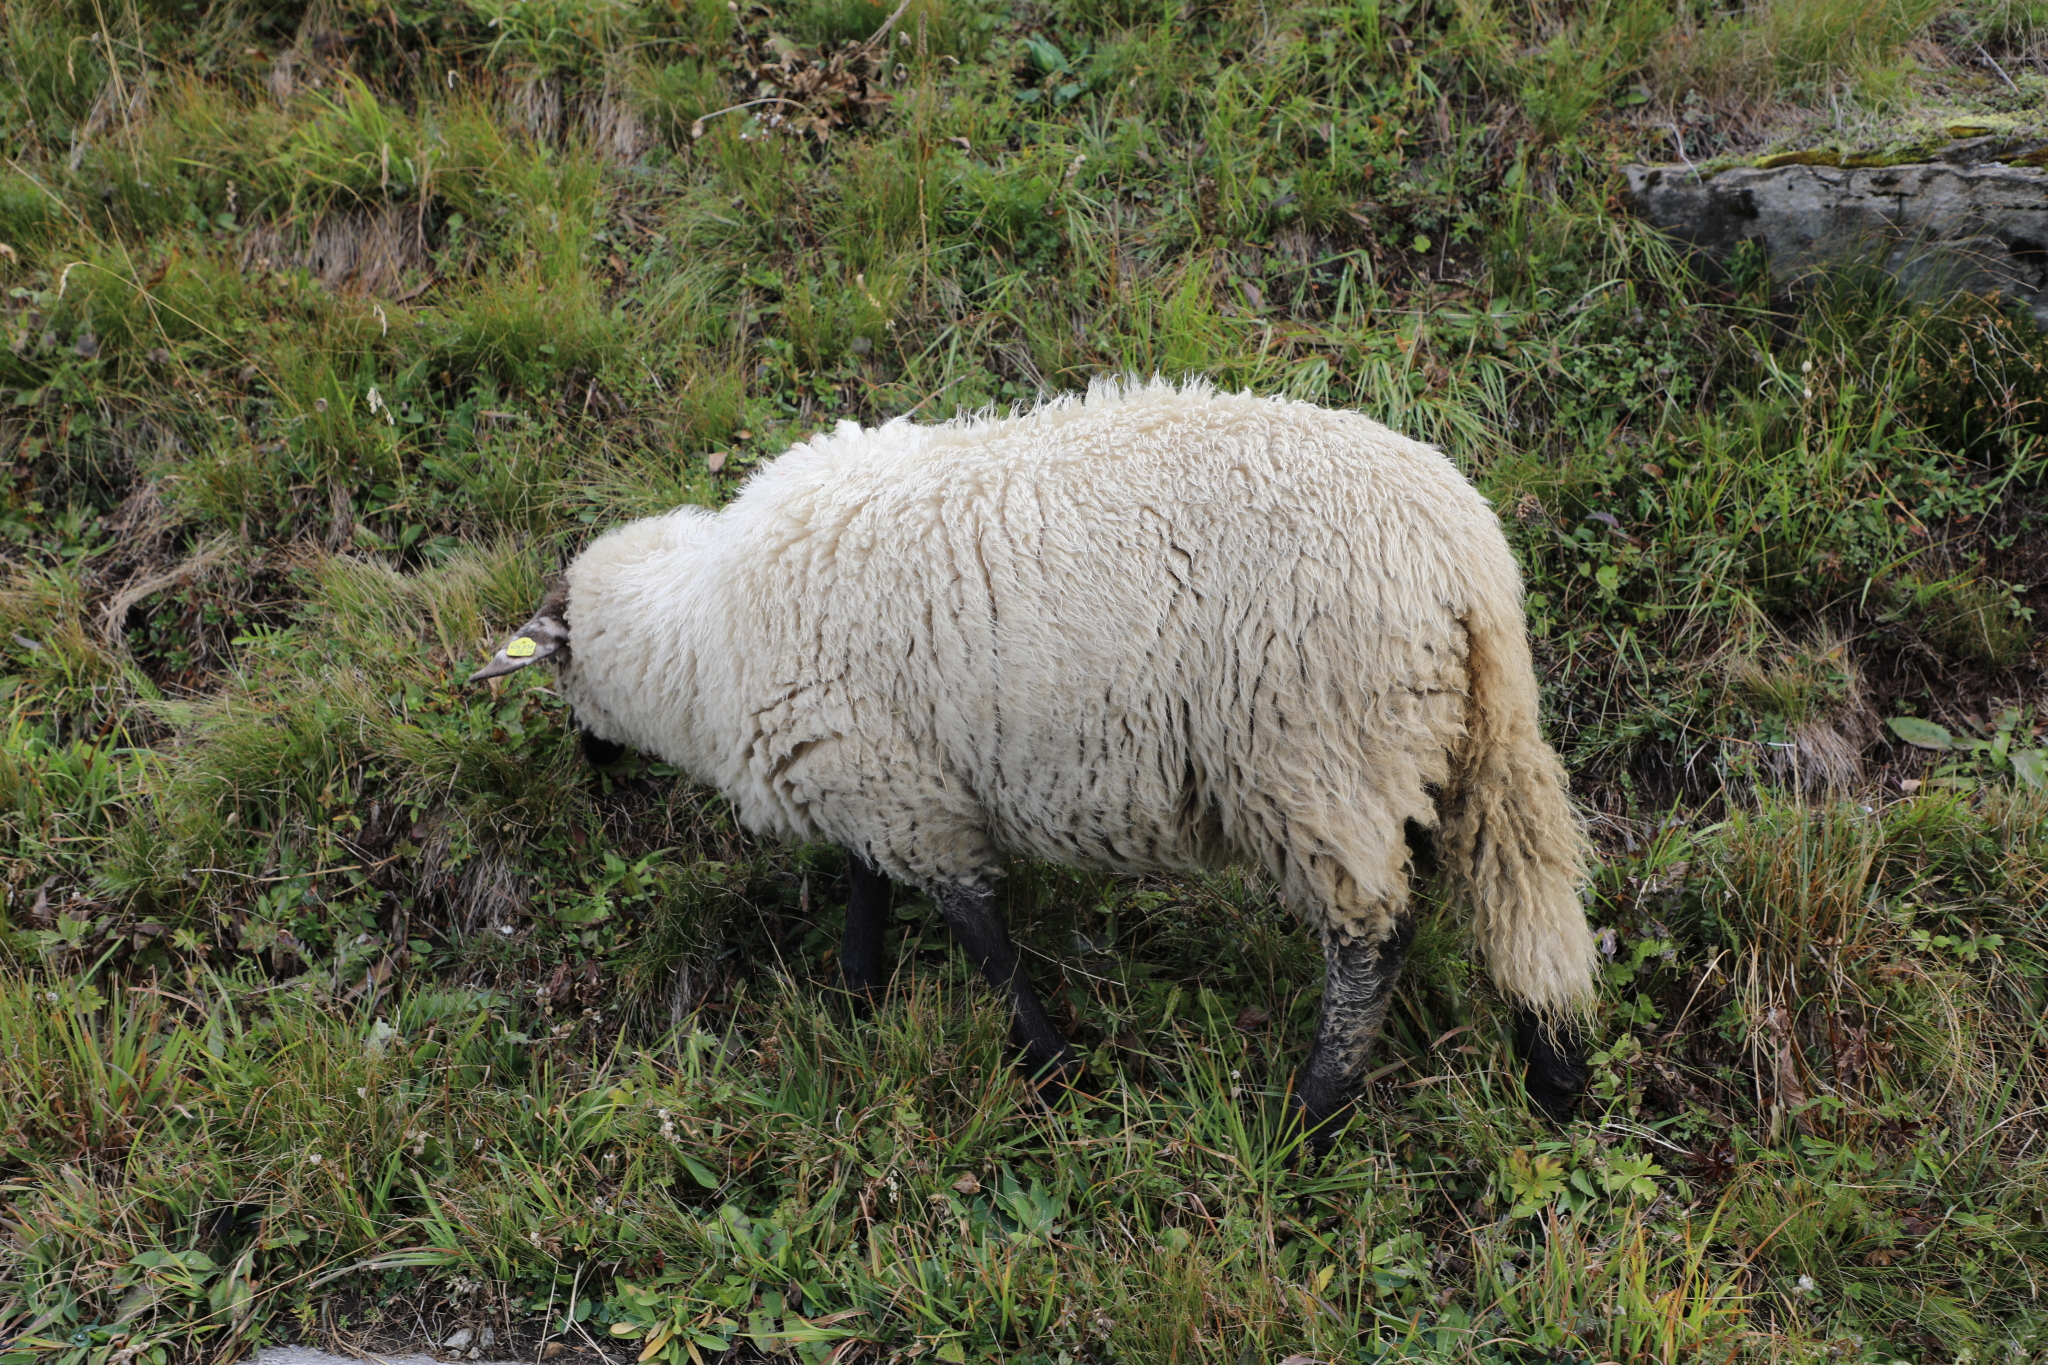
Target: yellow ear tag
x=522, y=647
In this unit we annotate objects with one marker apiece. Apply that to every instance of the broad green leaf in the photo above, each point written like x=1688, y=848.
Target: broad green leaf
x=1921, y=734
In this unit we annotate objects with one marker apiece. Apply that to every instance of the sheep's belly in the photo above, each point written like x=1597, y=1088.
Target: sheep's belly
x=1102, y=830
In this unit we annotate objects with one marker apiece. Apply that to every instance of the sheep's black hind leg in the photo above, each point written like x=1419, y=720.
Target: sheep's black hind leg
x=972, y=916
x=1358, y=985
x=867, y=923
x=1557, y=1064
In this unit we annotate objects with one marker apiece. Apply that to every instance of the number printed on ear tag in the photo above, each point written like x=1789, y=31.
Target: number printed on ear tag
x=521, y=647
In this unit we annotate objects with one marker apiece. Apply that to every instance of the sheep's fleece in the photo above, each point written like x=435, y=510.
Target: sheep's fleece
x=1158, y=627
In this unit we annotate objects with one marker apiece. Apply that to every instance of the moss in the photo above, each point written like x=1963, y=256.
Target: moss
x=1926, y=136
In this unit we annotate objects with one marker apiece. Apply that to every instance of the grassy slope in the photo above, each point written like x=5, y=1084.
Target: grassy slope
x=344, y=1000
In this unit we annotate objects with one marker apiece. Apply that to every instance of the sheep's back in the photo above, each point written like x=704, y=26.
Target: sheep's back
x=1142, y=633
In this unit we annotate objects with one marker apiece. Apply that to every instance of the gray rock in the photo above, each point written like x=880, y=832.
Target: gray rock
x=1972, y=151
x=1937, y=228
x=307, y=1355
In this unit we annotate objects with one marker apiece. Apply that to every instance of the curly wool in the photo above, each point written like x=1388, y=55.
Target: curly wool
x=1157, y=627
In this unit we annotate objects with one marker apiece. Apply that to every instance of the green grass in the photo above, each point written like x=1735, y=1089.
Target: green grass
x=326, y=335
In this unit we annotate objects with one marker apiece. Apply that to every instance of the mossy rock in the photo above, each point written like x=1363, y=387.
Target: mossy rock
x=1952, y=138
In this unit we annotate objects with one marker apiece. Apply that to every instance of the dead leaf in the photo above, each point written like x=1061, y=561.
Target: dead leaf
x=1852, y=1052
x=810, y=90
x=715, y=461
x=967, y=1184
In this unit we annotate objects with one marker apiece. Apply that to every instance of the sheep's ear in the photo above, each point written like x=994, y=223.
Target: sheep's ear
x=545, y=635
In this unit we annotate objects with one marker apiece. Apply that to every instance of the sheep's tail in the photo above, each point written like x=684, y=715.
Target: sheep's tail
x=1510, y=838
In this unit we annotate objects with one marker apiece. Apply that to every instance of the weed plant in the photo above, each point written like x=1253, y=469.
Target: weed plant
x=342, y=1003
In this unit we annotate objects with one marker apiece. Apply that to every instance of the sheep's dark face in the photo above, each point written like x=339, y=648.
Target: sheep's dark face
x=546, y=636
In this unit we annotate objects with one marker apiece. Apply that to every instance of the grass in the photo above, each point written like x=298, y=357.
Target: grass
x=341, y=1003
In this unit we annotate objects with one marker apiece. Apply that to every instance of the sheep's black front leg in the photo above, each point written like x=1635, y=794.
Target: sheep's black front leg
x=972, y=916
x=599, y=753
x=867, y=922
x=1556, y=1057
x=1358, y=985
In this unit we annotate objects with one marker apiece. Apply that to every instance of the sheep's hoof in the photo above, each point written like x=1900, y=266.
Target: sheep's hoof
x=1559, y=1106
x=1317, y=1131
x=862, y=994
x=1055, y=1077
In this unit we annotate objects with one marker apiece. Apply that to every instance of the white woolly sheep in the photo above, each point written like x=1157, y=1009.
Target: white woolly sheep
x=1157, y=628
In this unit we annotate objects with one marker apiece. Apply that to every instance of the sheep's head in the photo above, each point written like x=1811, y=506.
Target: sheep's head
x=545, y=636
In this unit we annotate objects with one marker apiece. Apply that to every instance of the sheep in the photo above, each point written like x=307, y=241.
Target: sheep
x=1152, y=628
